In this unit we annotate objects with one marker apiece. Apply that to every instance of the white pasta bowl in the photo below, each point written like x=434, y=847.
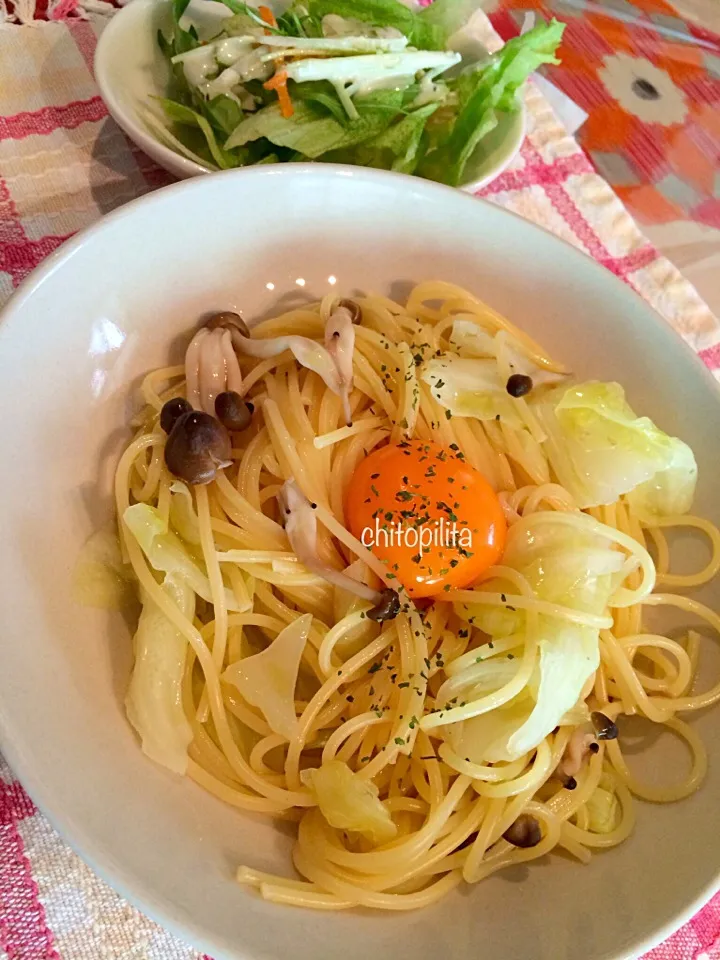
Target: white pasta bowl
x=130, y=70
x=117, y=301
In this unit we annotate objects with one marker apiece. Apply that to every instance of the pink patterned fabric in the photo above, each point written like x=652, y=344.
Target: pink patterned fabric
x=63, y=164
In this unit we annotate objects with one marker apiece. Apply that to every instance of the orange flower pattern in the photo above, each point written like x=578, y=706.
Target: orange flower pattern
x=650, y=83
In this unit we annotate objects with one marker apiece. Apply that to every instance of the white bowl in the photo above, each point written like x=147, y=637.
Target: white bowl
x=74, y=341
x=130, y=69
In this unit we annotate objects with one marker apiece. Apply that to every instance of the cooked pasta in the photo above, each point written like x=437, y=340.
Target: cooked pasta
x=421, y=735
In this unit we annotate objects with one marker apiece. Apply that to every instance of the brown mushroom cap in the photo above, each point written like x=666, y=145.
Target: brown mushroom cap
x=518, y=385
x=387, y=607
x=198, y=446
x=232, y=411
x=353, y=308
x=172, y=411
x=227, y=320
x=524, y=832
x=605, y=728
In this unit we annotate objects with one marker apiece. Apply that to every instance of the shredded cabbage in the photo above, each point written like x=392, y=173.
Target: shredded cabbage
x=154, y=697
x=267, y=680
x=167, y=553
x=600, y=450
x=350, y=803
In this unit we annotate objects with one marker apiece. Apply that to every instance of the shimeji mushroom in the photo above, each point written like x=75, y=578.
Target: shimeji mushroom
x=332, y=361
x=300, y=521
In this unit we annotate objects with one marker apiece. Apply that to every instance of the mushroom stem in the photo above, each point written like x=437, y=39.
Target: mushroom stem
x=307, y=352
x=211, y=368
x=233, y=377
x=340, y=344
x=575, y=753
x=301, y=527
x=192, y=367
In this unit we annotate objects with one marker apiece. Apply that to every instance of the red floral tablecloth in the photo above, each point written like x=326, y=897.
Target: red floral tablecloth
x=650, y=83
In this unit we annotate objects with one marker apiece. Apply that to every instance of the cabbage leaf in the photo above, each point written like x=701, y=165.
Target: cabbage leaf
x=350, y=803
x=267, y=679
x=154, y=698
x=599, y=450
x=569, y=566
x=167, y=553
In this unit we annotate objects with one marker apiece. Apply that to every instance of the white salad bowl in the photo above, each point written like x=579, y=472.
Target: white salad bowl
x=130, y=70
x=75, y=340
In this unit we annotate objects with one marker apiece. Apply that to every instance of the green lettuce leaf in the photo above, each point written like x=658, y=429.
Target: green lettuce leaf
x=397, y=147
x=224, y=114
x=297, y=22
x=491, y=88
x=312, y=132
x=442, y=18
x=379, y=13
x=323, y=95
x=179, y=113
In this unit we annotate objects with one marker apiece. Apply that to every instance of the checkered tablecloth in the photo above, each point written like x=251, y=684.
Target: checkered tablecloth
x=64, y=163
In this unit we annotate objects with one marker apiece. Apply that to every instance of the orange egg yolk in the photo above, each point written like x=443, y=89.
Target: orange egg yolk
x=434, y=519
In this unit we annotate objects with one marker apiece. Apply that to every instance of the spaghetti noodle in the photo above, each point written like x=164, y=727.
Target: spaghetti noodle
x=392, y=704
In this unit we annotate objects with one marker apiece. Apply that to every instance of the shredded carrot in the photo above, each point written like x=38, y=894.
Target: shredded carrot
x=268, y=16
x=279, y=83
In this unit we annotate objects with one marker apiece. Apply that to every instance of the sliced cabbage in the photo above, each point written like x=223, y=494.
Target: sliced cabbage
x=563, y=564
x=267, y=680
x=576, y=715
x=154, y=698
x=468, y=383
x=569, y=655
x=100, y=578
x=602, y=808
x=470, y=388
x=183, y=517
x=350, y=803
x=167, y=553
x=670, y=492
x=471, y=340
x=484, y=739
x=600, y=450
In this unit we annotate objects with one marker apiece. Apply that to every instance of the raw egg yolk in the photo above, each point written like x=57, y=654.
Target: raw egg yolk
x=433, y=518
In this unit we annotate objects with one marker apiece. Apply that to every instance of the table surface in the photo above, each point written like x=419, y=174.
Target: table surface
x=64, y=163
